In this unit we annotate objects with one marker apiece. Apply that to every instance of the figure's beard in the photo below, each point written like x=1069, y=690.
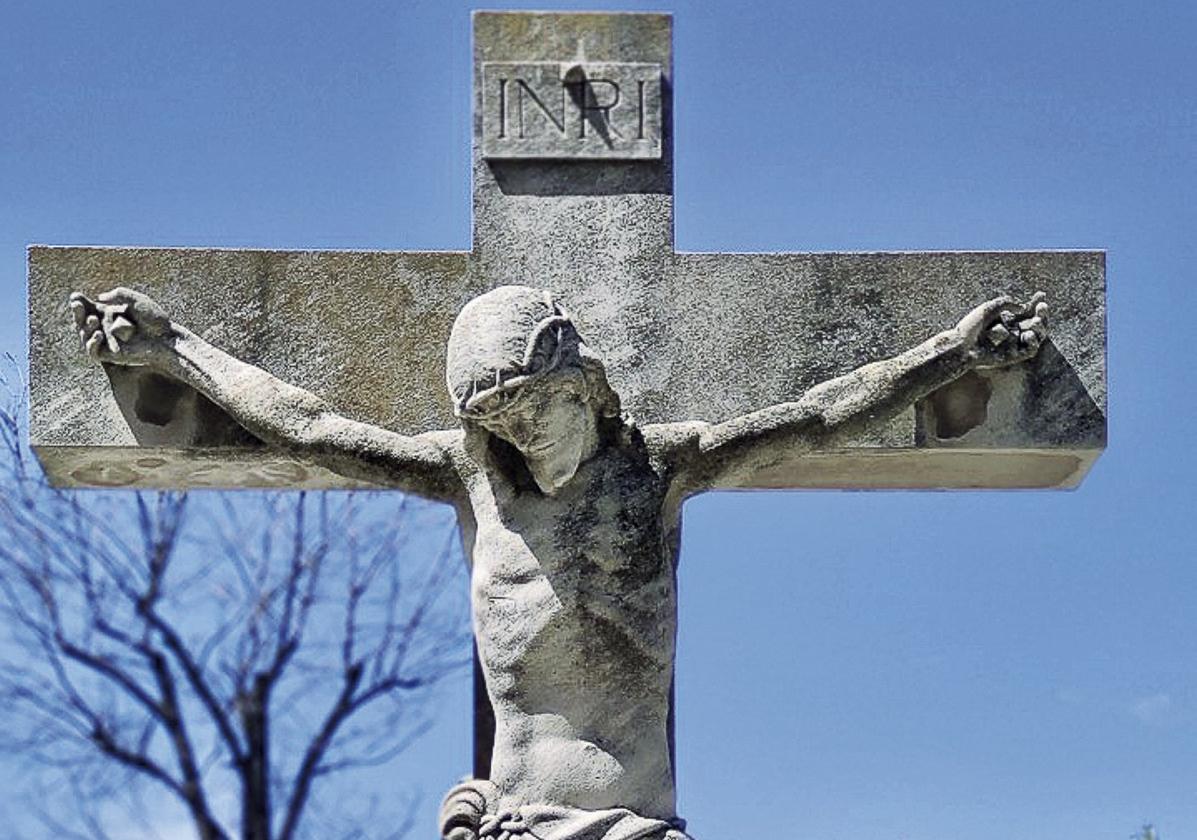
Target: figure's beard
x=553, y=472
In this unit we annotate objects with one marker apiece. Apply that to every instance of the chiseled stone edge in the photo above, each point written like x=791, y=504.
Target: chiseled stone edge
x=921, y=468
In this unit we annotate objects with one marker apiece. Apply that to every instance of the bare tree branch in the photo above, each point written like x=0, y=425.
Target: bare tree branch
x=256, y=643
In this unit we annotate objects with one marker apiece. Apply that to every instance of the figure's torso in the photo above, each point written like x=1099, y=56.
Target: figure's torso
x=575, y=614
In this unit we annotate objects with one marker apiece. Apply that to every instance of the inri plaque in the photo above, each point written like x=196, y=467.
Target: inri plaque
x=556, y=110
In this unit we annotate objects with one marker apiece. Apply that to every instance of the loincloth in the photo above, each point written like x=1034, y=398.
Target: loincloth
x=473, y=811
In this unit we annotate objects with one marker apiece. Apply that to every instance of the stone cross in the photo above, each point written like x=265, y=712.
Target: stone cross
x=573, y=193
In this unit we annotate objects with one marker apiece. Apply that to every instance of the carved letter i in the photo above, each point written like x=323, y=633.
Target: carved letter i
x=640, y=129
x=502, y=107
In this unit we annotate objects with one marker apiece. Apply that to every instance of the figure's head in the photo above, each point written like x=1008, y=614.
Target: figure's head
x=517, y=368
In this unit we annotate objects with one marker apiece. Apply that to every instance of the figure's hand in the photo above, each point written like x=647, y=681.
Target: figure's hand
x=123, y=327
x=1004, y=332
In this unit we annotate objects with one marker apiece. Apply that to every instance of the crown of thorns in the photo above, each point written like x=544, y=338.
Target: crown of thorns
x=547, y=343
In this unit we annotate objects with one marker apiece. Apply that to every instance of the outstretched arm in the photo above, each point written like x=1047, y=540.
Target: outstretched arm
x=995, y=334
x=125, y=327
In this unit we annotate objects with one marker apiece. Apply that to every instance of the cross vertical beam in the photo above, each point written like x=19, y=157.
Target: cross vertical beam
x=589, y=215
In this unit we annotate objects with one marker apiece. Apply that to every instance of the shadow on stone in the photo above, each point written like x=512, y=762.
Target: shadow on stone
x=1042, y=403
x=581, y=177
x=164, y=412
x=960, y=406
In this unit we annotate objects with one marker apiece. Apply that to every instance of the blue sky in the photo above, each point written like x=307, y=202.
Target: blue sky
x=857, y=666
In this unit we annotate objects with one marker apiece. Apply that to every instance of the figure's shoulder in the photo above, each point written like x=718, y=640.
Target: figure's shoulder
x=465, y=451
x=668, y=440
x=449, y=444
x=447, y=439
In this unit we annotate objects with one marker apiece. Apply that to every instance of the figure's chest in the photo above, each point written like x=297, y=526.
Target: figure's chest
x=607, y=520
x=568, y=571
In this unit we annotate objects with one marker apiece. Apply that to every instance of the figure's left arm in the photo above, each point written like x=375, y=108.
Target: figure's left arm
x=997, y=333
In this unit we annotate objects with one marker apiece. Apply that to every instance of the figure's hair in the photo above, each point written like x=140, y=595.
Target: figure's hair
x=509, y=337
x=600, y=393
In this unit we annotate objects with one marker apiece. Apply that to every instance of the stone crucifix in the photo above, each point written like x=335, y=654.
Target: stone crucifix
x=566, y=459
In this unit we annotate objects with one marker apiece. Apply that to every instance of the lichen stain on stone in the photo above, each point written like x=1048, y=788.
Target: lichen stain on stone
x=281, y=473
x=961, y=406
x=106, y=475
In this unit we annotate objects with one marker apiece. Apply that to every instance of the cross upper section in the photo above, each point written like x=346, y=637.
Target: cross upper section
x=684, y=336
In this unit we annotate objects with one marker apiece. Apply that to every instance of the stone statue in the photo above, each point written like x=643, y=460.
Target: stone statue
x=570, y=514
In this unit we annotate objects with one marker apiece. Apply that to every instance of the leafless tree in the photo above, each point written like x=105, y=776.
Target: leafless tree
x=230, y=649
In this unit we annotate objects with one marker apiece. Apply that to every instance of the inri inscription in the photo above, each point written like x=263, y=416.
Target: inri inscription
x=555, y=110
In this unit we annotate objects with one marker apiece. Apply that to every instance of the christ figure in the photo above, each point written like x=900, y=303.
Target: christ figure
x=570, y=516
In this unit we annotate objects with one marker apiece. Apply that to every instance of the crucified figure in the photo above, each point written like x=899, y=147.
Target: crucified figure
x=570, y=515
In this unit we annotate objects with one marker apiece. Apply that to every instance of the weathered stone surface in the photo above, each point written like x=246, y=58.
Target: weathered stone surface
x=706, y=337
x=301, y=315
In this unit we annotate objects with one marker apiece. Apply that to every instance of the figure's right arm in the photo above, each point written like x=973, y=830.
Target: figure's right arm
x=128, y=328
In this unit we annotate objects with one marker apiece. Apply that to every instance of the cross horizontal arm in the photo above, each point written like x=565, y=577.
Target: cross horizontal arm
x=299, y=422
x=362, y=331
x=733, y=453
x=124, y=328
x=694, y=337
x=749, y=331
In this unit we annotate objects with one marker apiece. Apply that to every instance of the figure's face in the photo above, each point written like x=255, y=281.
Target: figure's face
x=554, y=428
